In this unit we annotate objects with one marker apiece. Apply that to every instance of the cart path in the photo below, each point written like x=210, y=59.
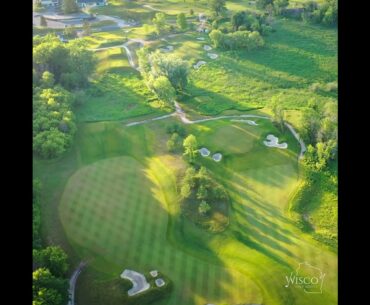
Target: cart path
x=72, y=283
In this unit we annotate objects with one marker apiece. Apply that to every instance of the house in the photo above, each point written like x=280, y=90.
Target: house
x=84, y=3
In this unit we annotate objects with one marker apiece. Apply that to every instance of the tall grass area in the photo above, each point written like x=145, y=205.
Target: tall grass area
x=295, y=57
x=118, y=96
x=314, y=206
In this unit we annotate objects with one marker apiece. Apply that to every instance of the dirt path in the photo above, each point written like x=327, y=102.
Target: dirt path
x=179, y=112
x=72, y=283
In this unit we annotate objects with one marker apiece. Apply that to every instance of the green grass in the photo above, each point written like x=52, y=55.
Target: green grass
x=316, y=207
x=119, y=209
x=119, y=94
x=295, y=56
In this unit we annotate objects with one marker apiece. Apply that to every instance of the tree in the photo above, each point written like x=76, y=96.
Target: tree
x=329, y=123
x=237, y=40
x=181, y=21
x=204, y=208
x=48, y=289
x=185, y=191
x=38, y=4
x=190, y=176
x=43, y=21
x=36, y=214
x=159, y=22
x=173, y=143
x=310, y=125
x=217, y=6
x=171, y=66
x=204, y=177
x=176, y=128
x=277, y=112
x=164, y=90
x=50, y=55
x=50, y=143
x=52, y=258
x=87, y=28
x=69, y=6
x=143, y=61
x=191, y=147
x=261, y=4
x=202, y=192
x=238, y=19
x=47, y=79
x=280, y=5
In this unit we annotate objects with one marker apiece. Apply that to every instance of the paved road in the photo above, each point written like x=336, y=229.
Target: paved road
x=72, y=283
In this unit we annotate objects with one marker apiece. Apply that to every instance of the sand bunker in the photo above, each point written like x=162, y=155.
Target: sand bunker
x=138, y=281
x=154, y=273
x=212, y=55
x=273, y=141
x=250, y=122
x=207, y=48
x=204, y=152
x=200, y=38
x=217, y=157
x=159, y=282
x=199, y=64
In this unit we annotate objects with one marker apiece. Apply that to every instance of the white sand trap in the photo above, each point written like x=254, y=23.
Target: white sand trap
x=159, y=282
x=200, y=38
x=273, y=141
x=204, y=152
x=212, y=55
x=250, y=122
x=199, y=64
x=154, y=273
x=207, y=48
x=138, y=281
x=217, y=157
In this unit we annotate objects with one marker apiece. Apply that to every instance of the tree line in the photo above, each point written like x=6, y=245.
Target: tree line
x=50, y=264
x=60, y=72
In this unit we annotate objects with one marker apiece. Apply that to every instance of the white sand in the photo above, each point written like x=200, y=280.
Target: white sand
x=154, y=273
x=217, y=157
x=207, y=48
x=204, y=152
x=138, y=281
x=200, y=38
x=159, y=282
x=250, y=122
x=273, y=141
x=212, y=55
x=199, y=64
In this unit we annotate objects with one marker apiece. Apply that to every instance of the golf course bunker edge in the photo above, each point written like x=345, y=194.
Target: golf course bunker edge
x=138, y=281
x=273, y=141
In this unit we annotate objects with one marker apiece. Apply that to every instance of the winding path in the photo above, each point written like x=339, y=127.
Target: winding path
x=128, y=51
x=179, y=112
x=72, y=283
